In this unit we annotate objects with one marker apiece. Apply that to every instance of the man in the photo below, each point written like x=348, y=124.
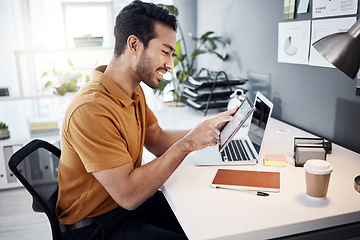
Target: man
x=104, y=192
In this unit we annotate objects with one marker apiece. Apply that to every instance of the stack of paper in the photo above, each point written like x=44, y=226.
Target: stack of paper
x=275, y=160
x=43, y=127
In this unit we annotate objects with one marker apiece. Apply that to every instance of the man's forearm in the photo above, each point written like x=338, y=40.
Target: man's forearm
x=143, y=181
x=167, y=139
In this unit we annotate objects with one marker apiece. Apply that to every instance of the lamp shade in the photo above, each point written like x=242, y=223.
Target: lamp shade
x=342, y=50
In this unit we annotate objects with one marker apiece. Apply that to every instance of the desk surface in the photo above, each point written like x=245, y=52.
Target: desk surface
x=208, y=213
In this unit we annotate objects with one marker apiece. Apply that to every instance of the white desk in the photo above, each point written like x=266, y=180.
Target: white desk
x=208, y=213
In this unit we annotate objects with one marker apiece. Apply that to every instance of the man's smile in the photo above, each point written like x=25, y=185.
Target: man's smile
x=161, y=73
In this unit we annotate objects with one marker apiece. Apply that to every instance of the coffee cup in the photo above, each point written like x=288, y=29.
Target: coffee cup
x=317, y=177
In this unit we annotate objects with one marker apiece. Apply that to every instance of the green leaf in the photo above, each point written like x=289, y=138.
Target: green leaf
x=221, y=57
x=194, y=38
x=72, y=86
x=178, y=74
x=197, y=52
x=162, y=85
x=3, y=125
x=54, y=71
x=211, y=44
x=180, y=58
x=61, y=90
x=191, y=71
x=44, y=74
x=48, y=84
x=87, y=78
x=78, y=76
x=178, y=51
x=205, y=35
x=70, y=62
x=176, y=62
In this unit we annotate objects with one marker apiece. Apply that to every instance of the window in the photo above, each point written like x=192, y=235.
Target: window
x=40, y=37
x=87, y=20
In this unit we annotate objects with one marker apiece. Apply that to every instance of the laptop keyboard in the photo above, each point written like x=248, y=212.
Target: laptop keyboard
x=235, y=151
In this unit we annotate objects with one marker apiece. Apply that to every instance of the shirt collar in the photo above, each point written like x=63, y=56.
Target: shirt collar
x=113, y=89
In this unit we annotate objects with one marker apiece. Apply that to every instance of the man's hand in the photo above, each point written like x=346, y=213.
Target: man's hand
x=207, y=133
x=230, y=112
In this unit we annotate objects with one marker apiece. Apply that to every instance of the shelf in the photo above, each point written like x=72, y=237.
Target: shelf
x=78, y=49
x=30, y=61
x=17, y=98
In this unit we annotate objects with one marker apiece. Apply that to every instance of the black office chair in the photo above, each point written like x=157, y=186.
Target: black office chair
x=36, y=165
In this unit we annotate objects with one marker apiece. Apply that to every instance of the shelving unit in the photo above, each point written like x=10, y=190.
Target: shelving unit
x=25, y=104
x=42, y=167
x=27, y=99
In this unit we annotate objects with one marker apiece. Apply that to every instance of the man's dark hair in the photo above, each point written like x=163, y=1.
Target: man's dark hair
x=138, y=18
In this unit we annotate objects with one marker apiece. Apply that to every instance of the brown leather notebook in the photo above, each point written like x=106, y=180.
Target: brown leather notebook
x=247, y=180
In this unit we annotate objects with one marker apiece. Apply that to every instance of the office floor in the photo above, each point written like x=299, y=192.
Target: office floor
x=17, y=220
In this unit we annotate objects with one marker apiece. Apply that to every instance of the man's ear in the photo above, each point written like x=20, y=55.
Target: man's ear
x=133, y=44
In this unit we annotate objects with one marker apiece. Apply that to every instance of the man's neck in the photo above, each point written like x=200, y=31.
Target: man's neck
x=123, y=75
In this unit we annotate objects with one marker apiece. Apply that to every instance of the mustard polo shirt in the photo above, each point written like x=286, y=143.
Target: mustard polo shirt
x=103, y=128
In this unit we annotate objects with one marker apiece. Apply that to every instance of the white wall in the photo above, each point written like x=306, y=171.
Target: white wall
x=319, y=100
x=187, y=20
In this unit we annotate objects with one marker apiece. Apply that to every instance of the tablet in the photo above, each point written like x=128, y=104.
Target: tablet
x=232, y=127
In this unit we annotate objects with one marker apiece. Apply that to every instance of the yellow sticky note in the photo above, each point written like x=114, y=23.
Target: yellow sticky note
x=275, y=160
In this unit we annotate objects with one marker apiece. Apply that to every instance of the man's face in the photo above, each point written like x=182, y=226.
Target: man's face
x=156, y=59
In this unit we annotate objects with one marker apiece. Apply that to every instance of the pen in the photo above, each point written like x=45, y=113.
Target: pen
x=262, y=194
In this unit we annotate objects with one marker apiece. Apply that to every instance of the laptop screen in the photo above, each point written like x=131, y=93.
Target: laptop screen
x=258, y=123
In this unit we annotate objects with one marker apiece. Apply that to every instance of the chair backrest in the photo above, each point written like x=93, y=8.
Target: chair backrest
x=35, y=165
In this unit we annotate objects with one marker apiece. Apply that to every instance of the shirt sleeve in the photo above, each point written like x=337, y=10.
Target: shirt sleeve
x=96, y=139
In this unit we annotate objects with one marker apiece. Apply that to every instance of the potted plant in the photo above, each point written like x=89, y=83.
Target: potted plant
x=66, y=80
x=4, y=131
x=184, y=65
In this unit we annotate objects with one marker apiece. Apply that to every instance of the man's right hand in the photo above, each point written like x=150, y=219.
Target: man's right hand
x=207, y=133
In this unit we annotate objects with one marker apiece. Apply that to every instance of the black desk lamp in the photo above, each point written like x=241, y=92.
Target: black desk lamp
x=343, y=51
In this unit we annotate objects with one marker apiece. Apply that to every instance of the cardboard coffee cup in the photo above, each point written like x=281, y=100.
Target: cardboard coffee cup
x=317, y=177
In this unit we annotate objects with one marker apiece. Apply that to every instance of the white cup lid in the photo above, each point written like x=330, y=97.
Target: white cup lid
x=316, y=166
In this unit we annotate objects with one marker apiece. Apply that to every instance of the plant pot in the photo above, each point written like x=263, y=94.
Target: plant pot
x=4, y=133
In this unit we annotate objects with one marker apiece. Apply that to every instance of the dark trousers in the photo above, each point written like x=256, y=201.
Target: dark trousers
x=154, y=219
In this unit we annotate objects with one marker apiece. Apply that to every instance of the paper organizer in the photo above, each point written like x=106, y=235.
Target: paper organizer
x=308, y=148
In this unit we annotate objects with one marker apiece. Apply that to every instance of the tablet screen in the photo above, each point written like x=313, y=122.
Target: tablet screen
x=232, y=127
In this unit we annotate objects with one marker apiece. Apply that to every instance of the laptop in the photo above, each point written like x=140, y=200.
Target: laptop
x=243, y=150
